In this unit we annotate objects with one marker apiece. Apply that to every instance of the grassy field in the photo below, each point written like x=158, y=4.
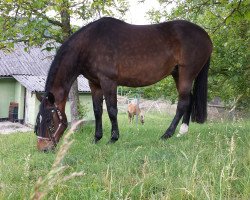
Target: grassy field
x=211, y=162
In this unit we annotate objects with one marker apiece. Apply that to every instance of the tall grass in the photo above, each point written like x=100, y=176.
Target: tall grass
x=211, y=162
x=46, y=184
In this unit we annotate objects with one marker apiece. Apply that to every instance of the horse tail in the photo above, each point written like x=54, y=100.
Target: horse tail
x=199, y=107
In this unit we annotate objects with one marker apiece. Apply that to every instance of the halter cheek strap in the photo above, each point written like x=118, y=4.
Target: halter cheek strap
x=51, y=134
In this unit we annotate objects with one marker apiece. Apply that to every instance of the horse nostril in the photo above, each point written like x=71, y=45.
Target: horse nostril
x=48, y=149
x=45, y=151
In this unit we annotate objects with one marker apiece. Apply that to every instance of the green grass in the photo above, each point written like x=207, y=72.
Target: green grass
x=211, y=162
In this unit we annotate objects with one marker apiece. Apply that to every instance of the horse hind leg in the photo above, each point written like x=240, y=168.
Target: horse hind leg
x=186, y=118
x=184, y=85
x=97, y=97
x=181, y=109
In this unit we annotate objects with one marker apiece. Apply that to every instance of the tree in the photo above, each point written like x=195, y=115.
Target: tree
x=227, y=23
x=50, y=22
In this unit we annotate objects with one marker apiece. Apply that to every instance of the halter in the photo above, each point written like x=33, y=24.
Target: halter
x=51, y=128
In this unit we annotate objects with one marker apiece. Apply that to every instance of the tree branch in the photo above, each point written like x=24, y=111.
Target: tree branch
x=40, y=14
x=226, y=18
x=52, y=21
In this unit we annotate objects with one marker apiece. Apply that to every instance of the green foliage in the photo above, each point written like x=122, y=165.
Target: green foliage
x=212, y=162
x=37, y=22
x=82, y=110
x=227, y=23
x=165, y=88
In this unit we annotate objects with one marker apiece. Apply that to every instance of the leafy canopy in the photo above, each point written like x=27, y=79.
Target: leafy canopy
x=37, y=22
x=227, y=22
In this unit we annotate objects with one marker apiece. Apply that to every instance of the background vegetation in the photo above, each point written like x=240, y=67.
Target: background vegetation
x=227, y=22
x=212, y=162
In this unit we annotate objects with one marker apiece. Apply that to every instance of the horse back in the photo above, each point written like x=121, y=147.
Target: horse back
x=127, y=53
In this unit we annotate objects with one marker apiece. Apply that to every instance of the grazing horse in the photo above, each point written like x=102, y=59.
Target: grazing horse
x=133, y=109
x=110, y=52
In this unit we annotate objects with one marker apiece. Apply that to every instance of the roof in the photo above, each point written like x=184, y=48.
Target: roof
x=31, y=67
x=37, y=83
x=83, y=84
x=32, y=83
x=20, y=62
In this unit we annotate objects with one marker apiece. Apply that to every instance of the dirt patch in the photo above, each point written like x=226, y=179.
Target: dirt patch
x=9, y=127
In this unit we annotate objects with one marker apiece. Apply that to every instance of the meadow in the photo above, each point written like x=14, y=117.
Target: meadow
x=211, y=162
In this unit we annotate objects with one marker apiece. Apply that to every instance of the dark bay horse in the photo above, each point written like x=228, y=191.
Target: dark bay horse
x=110, y=52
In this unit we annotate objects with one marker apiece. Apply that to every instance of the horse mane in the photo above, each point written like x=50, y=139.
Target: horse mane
x=55, y=66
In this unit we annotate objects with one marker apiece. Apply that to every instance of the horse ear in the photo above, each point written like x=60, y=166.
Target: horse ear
x=38, y=96
x=50, y=97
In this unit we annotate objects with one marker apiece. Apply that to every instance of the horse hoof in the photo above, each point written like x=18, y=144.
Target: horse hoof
x=49, y=150
x=96, y=140
x=112, y=141
x=165, y=136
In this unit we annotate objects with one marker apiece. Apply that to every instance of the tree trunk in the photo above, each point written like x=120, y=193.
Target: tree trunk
x=74, y=100
x=66, y=31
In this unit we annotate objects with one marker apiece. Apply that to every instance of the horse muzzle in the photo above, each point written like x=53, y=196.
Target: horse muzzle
x=45, y=144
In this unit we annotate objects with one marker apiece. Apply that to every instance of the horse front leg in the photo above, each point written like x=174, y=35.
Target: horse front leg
x=97, y=97
x=129, y=118
x=109, y=89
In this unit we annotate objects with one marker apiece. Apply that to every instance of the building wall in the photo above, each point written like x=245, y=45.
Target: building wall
x=7, y=95
x=12, y=91
x=19, y=98
x=86, y=100
x=32, y=107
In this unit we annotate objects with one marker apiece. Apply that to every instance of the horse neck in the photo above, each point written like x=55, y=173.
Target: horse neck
x=59, y=84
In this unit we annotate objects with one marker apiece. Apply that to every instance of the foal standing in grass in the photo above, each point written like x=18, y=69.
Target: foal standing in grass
x=133, y=109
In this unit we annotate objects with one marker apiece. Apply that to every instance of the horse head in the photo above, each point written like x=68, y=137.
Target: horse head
x=50, y=123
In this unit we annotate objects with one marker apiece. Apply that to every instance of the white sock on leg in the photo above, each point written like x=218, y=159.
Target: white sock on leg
x=183, y=130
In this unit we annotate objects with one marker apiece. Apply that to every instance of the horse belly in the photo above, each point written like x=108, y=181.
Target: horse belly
x=145, y=64
x=143, y=74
